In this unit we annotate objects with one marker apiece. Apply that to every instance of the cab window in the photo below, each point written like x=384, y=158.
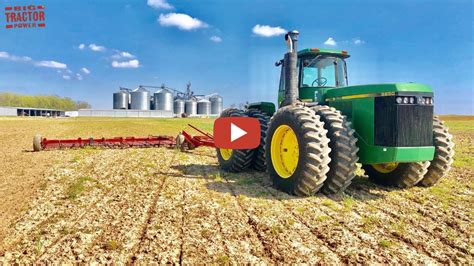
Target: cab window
x=323, y=72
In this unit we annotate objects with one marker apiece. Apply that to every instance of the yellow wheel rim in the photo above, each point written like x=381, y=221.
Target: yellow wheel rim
x=385, y=168
x=284, y=151
x=225, y=153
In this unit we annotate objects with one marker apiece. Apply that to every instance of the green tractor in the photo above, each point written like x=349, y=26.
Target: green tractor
x=323, y=127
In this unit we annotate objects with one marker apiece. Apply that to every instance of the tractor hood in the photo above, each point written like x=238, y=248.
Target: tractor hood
x=372, y=90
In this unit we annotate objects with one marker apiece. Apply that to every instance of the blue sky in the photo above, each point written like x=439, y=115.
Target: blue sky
x=217, y=46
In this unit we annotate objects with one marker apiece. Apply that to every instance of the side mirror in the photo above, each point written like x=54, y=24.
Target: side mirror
x=279, y=63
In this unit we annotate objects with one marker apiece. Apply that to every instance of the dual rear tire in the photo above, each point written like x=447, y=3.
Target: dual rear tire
x=234, y=160
x=318, y=146
x=240, y=160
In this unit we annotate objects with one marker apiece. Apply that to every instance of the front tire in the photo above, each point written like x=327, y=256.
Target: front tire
x=297, y=150
x=234, y=160
x=402, y=175
x=444, y=153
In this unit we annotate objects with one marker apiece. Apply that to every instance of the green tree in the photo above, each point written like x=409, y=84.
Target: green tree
x=41, y=101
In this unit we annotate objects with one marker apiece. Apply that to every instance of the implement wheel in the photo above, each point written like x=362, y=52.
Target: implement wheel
x=444, y=153
x=37, y=143
x=343, y=149
x=402, y=175
x=297, y=150
x=258, y=162
x=234, y=160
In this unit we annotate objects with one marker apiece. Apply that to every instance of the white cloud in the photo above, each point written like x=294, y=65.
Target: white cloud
x=127, y=55
x=182, y=21
x=120, y=55
x=96, y=48
x=85, y=70
x=15, y=58
x=330, y=42
x=66, y=77
x=127, y=64
x=78, y=76
x=159, y=4
x=81, y=46
x=215, y=39
x=268, y=31
x=51, y=64
x=358, y=41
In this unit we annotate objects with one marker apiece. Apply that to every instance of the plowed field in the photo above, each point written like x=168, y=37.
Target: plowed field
x=162, y=205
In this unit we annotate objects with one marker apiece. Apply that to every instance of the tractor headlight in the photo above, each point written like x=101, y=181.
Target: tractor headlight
x=399, y=100
x=428, y=100
x=421, y=100
x=405, y=100
x=412, y=100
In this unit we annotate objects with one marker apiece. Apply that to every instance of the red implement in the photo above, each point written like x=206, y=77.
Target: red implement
x=183, y=141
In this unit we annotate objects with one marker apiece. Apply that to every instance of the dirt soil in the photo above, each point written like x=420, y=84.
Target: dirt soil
x=162, y=205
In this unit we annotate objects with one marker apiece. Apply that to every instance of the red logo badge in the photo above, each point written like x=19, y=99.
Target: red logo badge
x=237, y=133
x=22, y=17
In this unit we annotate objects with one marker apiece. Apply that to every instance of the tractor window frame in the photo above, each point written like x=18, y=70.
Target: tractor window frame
x=336, y=85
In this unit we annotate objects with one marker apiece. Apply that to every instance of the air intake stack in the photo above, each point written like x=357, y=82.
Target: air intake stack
x=289, y=63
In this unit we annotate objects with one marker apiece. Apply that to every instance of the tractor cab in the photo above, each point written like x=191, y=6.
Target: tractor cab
x=318, y=70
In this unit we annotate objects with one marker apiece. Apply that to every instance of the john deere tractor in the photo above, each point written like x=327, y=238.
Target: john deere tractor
x=323, y=127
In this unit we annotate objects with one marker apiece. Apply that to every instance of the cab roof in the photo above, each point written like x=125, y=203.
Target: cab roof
x=314, y=51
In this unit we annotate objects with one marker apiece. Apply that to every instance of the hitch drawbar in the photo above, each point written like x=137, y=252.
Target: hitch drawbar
x=184, y=141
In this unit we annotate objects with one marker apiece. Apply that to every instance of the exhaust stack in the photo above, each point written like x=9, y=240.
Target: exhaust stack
x=289, y=63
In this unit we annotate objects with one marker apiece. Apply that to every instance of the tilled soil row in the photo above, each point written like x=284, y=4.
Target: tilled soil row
x=423, y=232
x=422, y=202
x=80, y=221
x=343, y=230
x=286, y=239
x=210, y=223
x=441, y=221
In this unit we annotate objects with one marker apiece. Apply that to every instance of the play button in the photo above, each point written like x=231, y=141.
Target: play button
x=237, y=133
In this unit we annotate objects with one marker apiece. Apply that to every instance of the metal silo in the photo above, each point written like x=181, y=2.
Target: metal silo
x=216, y=104
x=190, y=106
x=204, y=107
x=121, y=99
x=140, y=99
x=178, y=106
x=163, y=100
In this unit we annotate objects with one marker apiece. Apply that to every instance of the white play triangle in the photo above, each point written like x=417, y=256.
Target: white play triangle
x=236, y=132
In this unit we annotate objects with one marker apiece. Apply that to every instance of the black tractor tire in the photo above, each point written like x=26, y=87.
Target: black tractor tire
x=405, y=175
x=240, y=159
x=37, y=143
x=443, y=157
x=313, y=150
x=342, y=168
x=258, y=162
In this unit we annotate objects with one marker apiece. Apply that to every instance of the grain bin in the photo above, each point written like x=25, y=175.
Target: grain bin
x=178, y=106
x=190, y=106
x=140, y=99
x=163, y=100
x=203, y=107
x=121, y=99
x=216, y=104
